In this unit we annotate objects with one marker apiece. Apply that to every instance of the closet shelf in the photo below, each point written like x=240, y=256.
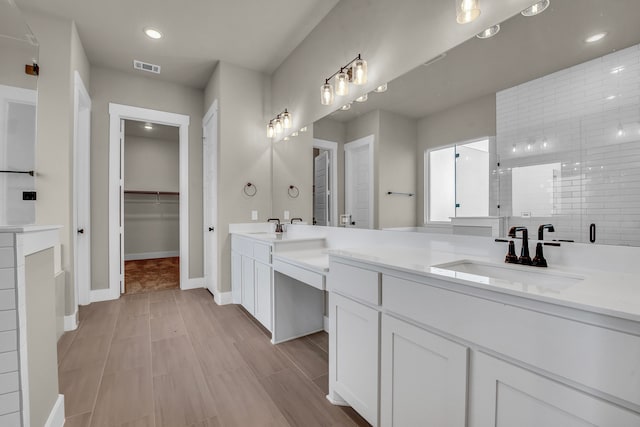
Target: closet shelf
x=155, y=193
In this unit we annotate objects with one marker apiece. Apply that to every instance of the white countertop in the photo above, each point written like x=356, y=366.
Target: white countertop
x=30, y=228
x=279, y=237
x=604, y=292
x=311, y=259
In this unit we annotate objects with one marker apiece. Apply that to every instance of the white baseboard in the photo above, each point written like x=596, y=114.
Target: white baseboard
x=223, y=298
x=337, y=401
x=151, y=255
x=98, y=295
x=71, y=322
x=326, y=324
x=56, y=416
x=193, y=283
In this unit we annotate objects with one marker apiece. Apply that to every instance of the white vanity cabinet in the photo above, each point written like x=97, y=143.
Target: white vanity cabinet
x=251, y=277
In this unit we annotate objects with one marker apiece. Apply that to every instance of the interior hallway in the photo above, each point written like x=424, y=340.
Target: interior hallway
x=175, y=358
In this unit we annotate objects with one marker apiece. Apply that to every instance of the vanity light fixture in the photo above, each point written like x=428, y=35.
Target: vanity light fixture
x=617, y=70
x=536, y=8
x=362, y=98
x=382, y=88
x=286, y=138
x=279, y=123
x=152, y=33
x=467, y=11
x=294, y=134
x=355, y=71
x=489, y=32
x=287, y=120
x=270, y=130
x=346, y=107
x=595, y=37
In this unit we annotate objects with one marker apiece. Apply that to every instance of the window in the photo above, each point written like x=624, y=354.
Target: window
x=457, y=181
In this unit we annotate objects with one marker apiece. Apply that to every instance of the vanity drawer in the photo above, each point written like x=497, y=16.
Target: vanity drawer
x=356, y=282
x=262, y=253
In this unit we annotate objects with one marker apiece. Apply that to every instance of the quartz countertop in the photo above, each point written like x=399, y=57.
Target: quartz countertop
x=31, y=228
x=312, y=259
x=604, y=292
x=279, y=237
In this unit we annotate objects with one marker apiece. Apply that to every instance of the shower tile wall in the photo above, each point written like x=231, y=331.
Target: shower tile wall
x=586, y=117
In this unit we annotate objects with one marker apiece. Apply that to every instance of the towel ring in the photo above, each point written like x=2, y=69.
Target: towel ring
x=293, y=191
x=250, y=189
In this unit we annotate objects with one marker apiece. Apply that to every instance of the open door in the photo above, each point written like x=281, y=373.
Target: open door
x=321, y=189
x=210, y=202
x=359, y=182
x=121, y=210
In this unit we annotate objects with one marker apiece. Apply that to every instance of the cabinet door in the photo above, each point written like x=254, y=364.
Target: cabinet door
x=262, y=279
x=236, y=277
x=248, y=285
x=505, y=395
x=423, y=377
x=354, y=341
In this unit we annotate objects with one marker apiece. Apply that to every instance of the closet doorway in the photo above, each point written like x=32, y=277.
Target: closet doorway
x=151, y=208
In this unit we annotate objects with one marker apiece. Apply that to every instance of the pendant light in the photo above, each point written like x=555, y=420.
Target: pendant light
x=359, y=71
x=467, y=11
x=287, y=120
x=342, y=83
x=277, y=125
x=270, y=130
x=326, y=93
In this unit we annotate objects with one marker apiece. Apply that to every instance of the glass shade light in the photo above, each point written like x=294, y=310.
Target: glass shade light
x=270, y=130
x=466, y=11
x=536, y=8
x=489, y=32
x=287, y=120
x=359, y=72
x=342, y=83
x=277, y=125
x=362, y=98
x=326, y=94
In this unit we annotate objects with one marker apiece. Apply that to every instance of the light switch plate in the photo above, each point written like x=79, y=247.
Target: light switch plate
x=254, y=215
x=286, y=215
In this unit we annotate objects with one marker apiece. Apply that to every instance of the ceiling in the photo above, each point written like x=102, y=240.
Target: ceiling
x=523, y=50
x=136, y=128
x=257, y=35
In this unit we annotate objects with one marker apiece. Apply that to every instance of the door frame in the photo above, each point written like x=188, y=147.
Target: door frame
x=118, y=112
x=332, y=148
x=348, y=149
x=211, y=259
x=81, y=193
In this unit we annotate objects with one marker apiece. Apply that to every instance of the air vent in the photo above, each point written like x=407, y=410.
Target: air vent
x=144, y=66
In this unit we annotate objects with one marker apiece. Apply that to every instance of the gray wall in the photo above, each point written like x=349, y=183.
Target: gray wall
x=41, y=336
x=474, y=119
x=121, y=88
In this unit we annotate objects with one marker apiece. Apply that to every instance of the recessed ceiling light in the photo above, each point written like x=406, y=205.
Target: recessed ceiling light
x=596, y=37
x=381, y=88
x=148, y=126
x=294, y=134
x=303, y=129
x=536, y=8
x=346, y=107
x=489, y=32
x=152, y=33
x=362, y=98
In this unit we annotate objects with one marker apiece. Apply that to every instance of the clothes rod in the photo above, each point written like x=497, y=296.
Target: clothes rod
x=155, y=193
x=402, y=194
x=25, y=172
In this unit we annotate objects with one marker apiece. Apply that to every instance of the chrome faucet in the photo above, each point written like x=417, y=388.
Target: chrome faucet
x=542, y=228
x=278, y=225
x=524, y=258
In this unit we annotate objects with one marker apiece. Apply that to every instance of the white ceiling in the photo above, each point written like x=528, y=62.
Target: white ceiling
x=254, y=34
x=523, y=50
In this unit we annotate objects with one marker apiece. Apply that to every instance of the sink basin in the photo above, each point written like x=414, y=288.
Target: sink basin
x=513, y=276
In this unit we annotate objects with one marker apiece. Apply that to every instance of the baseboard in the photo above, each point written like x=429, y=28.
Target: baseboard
x=98, y=295
x=223, y=298
x=56, y=416
x=71, y=322
x=326, y=324
x=194, y=283
x=151, y=255
x=337, y=401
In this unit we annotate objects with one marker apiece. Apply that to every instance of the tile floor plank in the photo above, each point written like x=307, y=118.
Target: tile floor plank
x=308, y=357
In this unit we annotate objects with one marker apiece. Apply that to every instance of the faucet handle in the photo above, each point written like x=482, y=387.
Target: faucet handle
x=538, y=260
x=511, y=257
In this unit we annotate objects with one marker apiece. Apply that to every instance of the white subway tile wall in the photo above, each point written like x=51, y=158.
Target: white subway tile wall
x=588, y=118
x=9, y=366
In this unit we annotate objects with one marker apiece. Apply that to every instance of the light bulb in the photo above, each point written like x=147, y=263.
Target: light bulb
x=620, y=132
x=466, y=11
x=528, y=147
x=270, y=130
x=277, y=124
x=362, y=98
x=545, y=142
x=359, y=72
x=536, y=8
x=326, y=94
x=286, y=138
x=287, y=120
x=342, y=83
x=294, y=134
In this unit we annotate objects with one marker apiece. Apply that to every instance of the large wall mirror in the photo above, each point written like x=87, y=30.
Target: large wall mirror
x=18, y=48
x=534, y=125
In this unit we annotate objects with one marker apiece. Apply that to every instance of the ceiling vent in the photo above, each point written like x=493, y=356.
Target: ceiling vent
x=144, y=66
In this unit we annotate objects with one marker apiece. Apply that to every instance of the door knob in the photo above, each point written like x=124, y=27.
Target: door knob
x=80, y=230
x=353, y=223
x=211, y=228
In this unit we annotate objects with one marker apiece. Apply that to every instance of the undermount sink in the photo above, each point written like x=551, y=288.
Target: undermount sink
x=507, y=274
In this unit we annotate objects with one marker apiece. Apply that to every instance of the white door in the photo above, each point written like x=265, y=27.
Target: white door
x=121, y=208
x=321, y=186
x=359, y=182
x=210, y=199
x=423, y=377
x=82, y=191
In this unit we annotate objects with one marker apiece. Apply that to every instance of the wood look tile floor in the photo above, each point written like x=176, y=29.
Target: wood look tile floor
x=176, y=359
x=148, y=275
